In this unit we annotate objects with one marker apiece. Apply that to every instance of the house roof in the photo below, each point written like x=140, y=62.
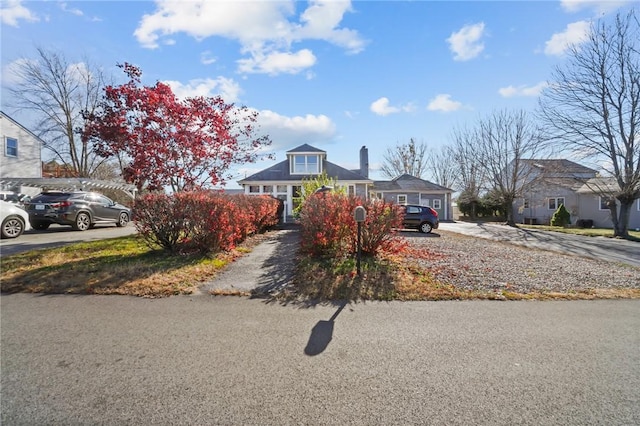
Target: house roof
x=559, y=166
x=2, y=113
x=599, y=185
x=571, y=183
x=306, y=148
x=282, y=172
x=408, y=183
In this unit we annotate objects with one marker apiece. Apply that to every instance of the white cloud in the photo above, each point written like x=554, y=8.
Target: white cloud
x=74, y=11
x=228, y=89
x=12, y=11
x=382, y=107
x=265, y=29
x=288, y=131
x=10, y=72
x=513, y=91
x=575, y=33
x=321, y=21
x=444, y=103
x=466, y=44
x=599, y=6
x=207, y=58
x=277, y=62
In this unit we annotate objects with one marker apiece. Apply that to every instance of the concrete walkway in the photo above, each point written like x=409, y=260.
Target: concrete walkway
x=600, y=248
x=268, y=268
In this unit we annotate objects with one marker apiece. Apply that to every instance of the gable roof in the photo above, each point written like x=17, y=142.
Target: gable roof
x=2, y=113
x=409, y=183
x=563, y=166
x=282, y=172
x=306, y=148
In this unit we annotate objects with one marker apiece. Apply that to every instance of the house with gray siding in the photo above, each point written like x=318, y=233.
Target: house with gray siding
x=594, y=198
x=284, y=179
x=407, y=189
x=584, y=194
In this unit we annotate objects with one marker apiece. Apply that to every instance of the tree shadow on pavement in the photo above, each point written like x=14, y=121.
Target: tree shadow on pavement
x=279, y=268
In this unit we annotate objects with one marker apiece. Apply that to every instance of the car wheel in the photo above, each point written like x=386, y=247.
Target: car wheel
x=83, y=222
x=122, y=220
x=12, y=227
x=40, y=226
x=425, y=227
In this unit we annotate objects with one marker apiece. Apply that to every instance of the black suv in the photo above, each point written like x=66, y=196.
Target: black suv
x=424, y=219
x=81, y=210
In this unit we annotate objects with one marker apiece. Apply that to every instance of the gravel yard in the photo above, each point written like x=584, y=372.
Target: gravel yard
x=479, y=264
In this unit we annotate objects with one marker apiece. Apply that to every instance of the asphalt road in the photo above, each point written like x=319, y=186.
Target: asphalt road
x=58, y=235
x=80, y=360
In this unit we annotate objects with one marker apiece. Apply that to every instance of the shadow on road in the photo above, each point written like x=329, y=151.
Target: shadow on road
x=322, y=333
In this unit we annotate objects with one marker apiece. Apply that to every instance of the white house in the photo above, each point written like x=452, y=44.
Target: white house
x=21, y=152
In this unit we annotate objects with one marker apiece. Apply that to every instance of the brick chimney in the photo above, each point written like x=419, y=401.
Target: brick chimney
x=364, y=162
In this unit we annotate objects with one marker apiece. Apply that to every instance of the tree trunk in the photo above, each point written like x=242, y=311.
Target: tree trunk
x=620, y=218
x=508, y=210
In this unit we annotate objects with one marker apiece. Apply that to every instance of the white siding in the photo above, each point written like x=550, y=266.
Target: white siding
x=28, y=162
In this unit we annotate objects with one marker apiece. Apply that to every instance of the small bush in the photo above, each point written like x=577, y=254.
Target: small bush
x=561, y=217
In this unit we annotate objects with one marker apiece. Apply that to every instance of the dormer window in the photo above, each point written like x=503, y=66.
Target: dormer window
x=305, y=164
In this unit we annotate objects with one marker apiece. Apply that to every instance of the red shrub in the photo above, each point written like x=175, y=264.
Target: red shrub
x=325, y=222
x=328, y=225
x=379, y=227
x=202, y=221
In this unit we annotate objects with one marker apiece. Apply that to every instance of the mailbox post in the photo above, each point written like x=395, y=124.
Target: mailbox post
x=359, y=214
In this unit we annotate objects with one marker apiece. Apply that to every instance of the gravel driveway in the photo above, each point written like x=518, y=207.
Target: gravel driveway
x=487, y=265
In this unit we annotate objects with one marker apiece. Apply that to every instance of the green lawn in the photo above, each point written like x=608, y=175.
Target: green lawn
x=589, y=232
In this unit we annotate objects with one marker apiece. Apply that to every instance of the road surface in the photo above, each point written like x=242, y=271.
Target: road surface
x=58, y=235
x=201, y=360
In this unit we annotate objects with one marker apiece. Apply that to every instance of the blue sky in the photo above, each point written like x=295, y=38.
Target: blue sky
x=334, y=74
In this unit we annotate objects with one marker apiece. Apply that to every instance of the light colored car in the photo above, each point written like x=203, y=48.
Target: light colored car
x=14, y=220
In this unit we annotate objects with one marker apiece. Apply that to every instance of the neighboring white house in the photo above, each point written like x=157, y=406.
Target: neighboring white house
x=21, y=152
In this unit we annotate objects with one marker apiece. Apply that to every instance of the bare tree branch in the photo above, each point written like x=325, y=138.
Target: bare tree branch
x=57, y=91
x=407, y=158
x=592, y=108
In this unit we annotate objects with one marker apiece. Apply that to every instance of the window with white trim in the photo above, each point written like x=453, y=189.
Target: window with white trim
x=554, y=203
x=10, y=147
x=281, y=189
x=526, y=203
x=268, y=189
x=254, y=189
x=437, y=204
x=305, y=165
x=604, y=203
x=402, y=199
x=351, y=190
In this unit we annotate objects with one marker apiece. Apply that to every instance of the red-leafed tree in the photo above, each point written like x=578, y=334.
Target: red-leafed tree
x=182, y=144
